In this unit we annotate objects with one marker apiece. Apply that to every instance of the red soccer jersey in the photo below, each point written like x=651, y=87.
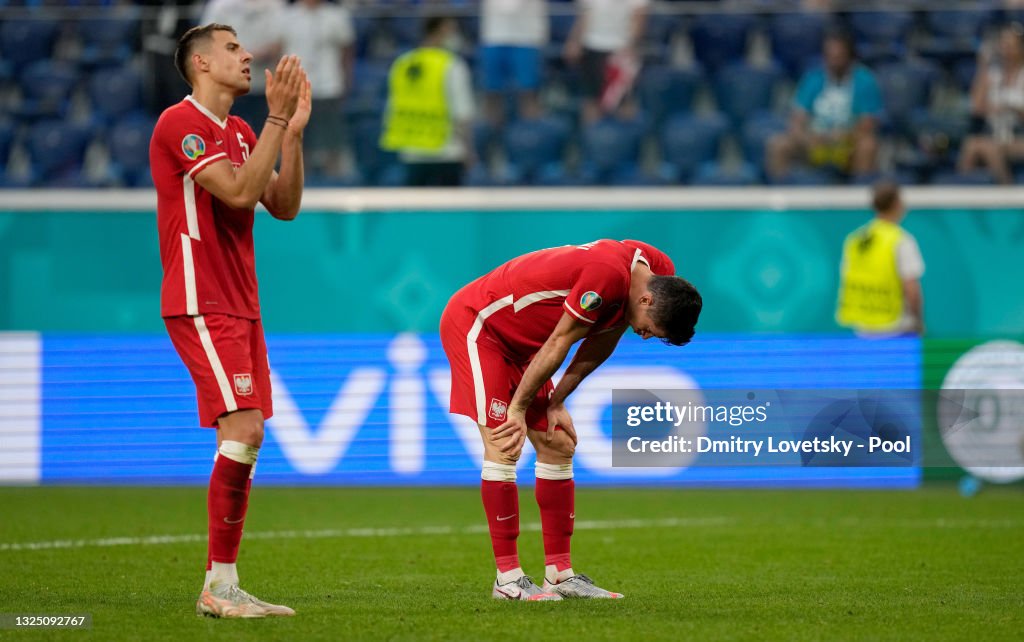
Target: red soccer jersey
x=206, y=247
x=518, y=304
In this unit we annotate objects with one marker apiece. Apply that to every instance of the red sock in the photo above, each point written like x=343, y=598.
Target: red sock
x=501, y=503
x=557, y=501
x=226, y=505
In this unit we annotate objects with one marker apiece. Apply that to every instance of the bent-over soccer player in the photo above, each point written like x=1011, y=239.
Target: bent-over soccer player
x=210, y=170
x=505, y=335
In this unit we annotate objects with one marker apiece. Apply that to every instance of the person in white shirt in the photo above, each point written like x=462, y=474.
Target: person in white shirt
x=603, y=28
x=997, y=103
x=258, y=23
x=512, y=33
x=323, y=35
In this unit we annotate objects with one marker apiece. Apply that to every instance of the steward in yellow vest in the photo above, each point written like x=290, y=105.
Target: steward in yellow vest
x=879, y=290
x=430, y=109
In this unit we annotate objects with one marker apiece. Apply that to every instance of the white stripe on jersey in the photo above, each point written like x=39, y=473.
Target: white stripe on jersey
x=203, y=163
x=191, y=215
x=216, y=365
x=191, y=294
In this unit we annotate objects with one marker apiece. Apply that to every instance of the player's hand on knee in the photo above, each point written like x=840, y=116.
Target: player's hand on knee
x=558, y=415
x=284, y=87
x=511, y=435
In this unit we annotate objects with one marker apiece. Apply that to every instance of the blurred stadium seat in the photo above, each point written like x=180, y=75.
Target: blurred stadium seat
x=128, y=142
x=26, y=41
x=721, y=39
x=533, y=145
x=881, y=36
x=109, y=37
x=757, y=129
x=611, y=145
x=57, y=150
x=665, y=91
x=115, y=93
x=713, y=174
x=906, y=88
x=46, y=87
x=796, y=40
x=687, y=141
x=954, y=35
x=742, y=89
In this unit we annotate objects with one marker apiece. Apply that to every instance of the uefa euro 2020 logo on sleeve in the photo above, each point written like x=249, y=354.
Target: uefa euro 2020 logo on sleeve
x=590, y=301
x=193, y=146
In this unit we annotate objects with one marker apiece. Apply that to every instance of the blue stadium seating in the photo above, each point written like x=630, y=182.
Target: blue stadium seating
x=720, y=39
x=370, y=89
x=610, y=145
x=115, y=93
x=375, y=164
x=46, y=88
x=742, y=89
x=713, y=174
x=532, y=145
x=109, y=36
x=6, y=141
x=796, y=40
x=808, y=177
x=906, y=88
x=688, y=140
x=954, y=34
x=26, y=41
x=757, y=129
x=881, y=35
x=57, y=151
x=665, y=91
x=128, y=143
x=978, y=178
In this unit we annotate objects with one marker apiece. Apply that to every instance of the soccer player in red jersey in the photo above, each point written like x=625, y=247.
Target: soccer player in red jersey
x=210, y=170
x=506, y=334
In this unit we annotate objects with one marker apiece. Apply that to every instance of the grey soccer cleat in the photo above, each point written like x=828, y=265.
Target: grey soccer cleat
x=580, y=587
x=229, y=601
x=521, y=589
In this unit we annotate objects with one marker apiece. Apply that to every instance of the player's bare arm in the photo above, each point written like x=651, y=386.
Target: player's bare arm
x=544, y=364
x=242, y=187
x=283, y=195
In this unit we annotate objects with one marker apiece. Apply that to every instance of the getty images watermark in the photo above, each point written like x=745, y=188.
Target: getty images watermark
x=839, y=428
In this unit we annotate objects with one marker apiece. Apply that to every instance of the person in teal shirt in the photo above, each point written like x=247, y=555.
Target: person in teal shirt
x=835, y=116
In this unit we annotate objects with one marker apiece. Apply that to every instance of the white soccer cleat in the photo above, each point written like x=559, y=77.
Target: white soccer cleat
x=580, y=587
x=522, y=589
x=229, y=601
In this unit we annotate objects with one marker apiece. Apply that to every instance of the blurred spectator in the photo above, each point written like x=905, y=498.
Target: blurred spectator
x=512, y=33
x=258, y=24
x=323, y=35
x=997, y=106
x=429, y=114
x=835, y=116
x=880, y=274
x=603, y=29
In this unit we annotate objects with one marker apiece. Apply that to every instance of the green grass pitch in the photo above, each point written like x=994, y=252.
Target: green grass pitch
x=413, y=564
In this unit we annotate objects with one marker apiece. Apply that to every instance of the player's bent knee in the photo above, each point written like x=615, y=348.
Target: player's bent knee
x=559, y=450
x=245, y=426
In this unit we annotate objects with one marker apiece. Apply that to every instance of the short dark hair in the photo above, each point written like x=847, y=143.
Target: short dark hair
x=884, y=195
x=676, y=307
x=187, y=44
x=433, y=24
x=843, y=36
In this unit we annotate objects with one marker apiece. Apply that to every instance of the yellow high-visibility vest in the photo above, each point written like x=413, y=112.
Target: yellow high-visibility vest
x=417, y=114
x=870, y=288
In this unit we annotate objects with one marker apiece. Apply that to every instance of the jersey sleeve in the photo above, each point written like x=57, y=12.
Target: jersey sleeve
x=599, y=289
x=192, y=144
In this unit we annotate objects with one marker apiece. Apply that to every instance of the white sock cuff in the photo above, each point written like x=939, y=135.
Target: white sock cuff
x=554, y=472
x=237, y=451
x=498, y=472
